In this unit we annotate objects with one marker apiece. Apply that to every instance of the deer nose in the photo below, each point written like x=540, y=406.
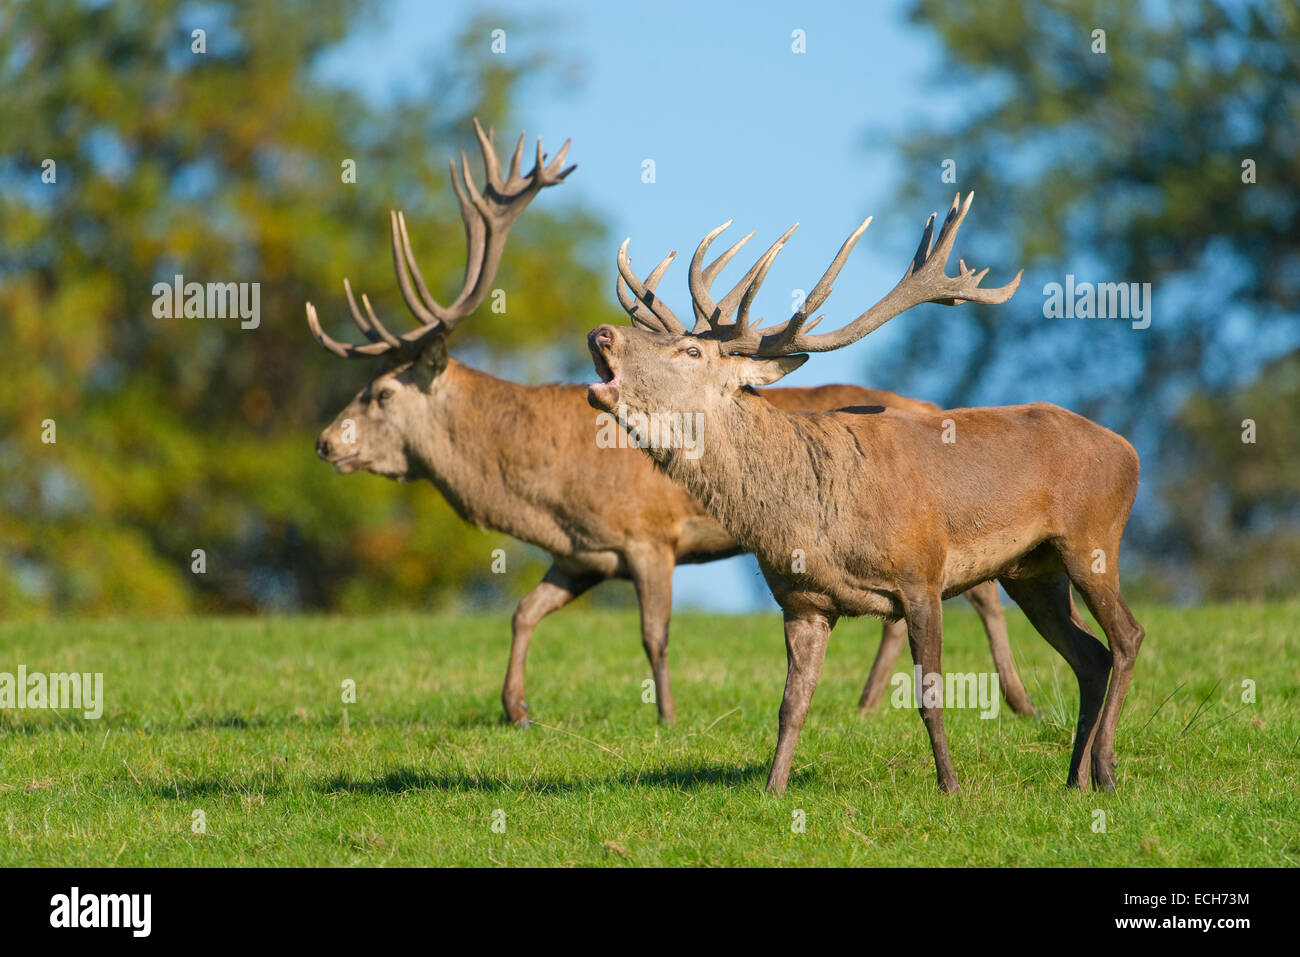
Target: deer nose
x=601, y=336
x=323, y=447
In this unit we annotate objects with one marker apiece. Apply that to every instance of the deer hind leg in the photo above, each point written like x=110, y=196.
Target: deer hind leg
x=556, y=589
x=805, y=646
x=984, y=597
x=892, y=636
x=1046, y=603
x=924, y=617
x=652, y=573
x=1101, y=593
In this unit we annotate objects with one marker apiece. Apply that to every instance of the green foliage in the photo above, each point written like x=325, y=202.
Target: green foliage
x=1235, y=492
x=226, y=166
x=1122, y=166
x=243, y=720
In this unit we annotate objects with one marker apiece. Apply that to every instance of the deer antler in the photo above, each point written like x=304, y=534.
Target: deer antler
x=924, y=281
x=661, y=318
x=487, y=216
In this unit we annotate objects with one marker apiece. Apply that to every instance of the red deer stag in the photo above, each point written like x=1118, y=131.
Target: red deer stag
x=425, y=415
x=888, y=517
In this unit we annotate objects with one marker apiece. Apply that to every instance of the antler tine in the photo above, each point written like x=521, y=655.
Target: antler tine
x=401, y=261
x=701, y=280
x=701, y=299
x=475, y=227
x=814, y=299
x=633, y=308
x=384, y=334
x=948, y=233
x=552, y=173
x=365, y=327
x=644, y=292
x=640, y=316
x=715, y=315
x=517, y=158
x=729, y=302
x=652, y=281
x=340, y=349
x=373, y=329
x=923, y=250
x=783, y=334
x=715, y=267
x=657, y=273
x=740, y=329
x=924, y=281
x=491, y=165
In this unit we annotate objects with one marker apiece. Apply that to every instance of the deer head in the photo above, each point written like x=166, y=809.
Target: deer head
x=657, y=366
x=370, y=433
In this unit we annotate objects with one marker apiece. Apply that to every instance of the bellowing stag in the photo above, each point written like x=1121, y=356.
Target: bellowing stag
x=888, y=518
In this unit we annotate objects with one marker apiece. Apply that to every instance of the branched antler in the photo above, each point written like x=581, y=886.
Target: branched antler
x=488, y=216
x=924, y=281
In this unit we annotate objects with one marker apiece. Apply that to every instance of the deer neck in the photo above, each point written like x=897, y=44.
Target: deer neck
x=470, y=445
x=760, y=475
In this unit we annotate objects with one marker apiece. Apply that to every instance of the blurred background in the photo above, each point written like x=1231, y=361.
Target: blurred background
x=176, y=434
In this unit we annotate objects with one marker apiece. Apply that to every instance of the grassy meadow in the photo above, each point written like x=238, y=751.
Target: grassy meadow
x=242, y=721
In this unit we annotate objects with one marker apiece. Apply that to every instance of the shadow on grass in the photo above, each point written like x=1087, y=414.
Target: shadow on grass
x=407, y=779
x=55, y=722
x=681, y=778
x=117, y=722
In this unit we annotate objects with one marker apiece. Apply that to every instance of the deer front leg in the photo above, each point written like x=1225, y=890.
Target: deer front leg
x=652, y=572
x=989, y=606
x=892, y=636
x=556, y=589
x=924, y=617
x=805, y=647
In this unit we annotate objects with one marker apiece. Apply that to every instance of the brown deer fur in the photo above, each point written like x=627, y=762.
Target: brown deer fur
x=889, y=518
x=524, y=459
x=601, y=513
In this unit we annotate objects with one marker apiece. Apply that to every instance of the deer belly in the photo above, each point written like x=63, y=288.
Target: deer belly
x=978, y=561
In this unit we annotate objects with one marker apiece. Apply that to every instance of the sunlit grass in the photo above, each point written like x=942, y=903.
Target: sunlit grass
x=243, y=721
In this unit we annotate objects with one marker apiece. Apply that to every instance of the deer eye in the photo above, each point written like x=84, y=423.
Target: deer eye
x=693, y=352
x=385, y=395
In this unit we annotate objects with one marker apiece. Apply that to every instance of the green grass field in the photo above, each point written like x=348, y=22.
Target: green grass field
x=243, y=720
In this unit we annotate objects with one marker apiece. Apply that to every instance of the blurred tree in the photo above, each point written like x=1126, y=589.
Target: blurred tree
x=1118, y=142
x=1234, y=490
x=226, y=166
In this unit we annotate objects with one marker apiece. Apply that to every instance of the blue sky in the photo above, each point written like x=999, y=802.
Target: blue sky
x=739, y=126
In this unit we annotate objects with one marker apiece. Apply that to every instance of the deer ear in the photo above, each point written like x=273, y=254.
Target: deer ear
x=766, y=371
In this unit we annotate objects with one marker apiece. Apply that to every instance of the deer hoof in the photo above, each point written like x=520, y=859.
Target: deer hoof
x=517, y=712
x=1103, y=775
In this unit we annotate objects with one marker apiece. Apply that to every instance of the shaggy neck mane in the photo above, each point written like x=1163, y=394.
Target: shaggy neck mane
x=761, y=467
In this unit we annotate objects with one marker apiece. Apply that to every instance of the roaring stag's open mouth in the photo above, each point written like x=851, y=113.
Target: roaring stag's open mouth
x=602, y=394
